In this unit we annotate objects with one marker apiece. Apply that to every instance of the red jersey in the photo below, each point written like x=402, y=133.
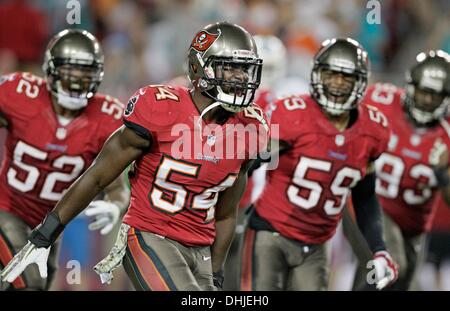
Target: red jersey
x=403, y=170
x=177, y=182
x=304, y=197
x=41, y=157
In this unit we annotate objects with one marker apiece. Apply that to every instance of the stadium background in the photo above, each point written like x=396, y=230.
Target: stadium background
x=145, y=41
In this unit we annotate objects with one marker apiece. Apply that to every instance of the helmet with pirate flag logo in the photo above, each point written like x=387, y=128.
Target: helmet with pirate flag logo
x=223, y=63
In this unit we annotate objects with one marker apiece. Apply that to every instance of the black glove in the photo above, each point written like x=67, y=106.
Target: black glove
x=218, y=279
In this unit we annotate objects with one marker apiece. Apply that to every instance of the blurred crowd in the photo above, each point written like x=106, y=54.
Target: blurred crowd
x=145, y=42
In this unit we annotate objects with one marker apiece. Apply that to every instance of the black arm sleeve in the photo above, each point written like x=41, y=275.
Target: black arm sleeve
x=368, y=212
x=139, y=130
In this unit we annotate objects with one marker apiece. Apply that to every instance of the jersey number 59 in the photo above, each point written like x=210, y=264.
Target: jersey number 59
x=344, y=179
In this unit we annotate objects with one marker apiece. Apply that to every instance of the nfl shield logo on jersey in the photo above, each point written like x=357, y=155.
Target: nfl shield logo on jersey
x=61, y=133
x=415, y=140
x=339, y=140
x=211, y=140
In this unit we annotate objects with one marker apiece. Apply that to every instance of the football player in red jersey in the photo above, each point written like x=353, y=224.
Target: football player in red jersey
x=56, y=127
x=182, y=214
x=328, y=146
x=415, y=166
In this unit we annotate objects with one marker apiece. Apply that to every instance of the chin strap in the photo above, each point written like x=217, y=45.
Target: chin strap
x=205, y=111
x=250, y=109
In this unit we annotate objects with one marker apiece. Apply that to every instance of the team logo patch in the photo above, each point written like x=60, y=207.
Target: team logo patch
x=130, y=105
x=203, y=40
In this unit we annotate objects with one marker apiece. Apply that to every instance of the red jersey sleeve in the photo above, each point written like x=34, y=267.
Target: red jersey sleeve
x=136, y=113
x=8, y=86
x=284, y=120
x=378, y=128
x=382, y=145
x=112, y=110
x=150, y=111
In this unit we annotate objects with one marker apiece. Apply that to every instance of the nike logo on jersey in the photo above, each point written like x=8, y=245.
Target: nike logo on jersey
x=206, y=258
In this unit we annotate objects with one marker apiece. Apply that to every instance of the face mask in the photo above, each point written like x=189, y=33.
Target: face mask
x=69, y=102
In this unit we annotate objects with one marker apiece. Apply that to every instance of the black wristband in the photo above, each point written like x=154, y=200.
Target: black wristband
x=441, y=173
x=46, y=233
x=218, y=279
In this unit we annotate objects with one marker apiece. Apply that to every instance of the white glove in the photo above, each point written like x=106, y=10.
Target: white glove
x=438, y=151
x=28, y=255
x=386, y=269
x=106, y=215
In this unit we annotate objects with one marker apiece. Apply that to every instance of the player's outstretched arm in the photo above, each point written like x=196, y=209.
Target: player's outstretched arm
x=226, y=215
x=123, y=147
x=369, y=218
